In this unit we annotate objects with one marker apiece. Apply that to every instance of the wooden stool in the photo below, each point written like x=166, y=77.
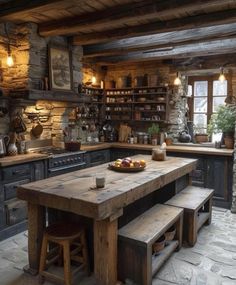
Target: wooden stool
x=71, y=242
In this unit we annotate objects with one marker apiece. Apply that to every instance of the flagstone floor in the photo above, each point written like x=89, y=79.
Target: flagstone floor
x=212, y=261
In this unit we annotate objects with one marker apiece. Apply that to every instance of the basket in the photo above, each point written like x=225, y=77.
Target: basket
x=170, y=233
x=159, y=244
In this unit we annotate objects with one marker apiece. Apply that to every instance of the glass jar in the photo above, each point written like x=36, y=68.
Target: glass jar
x=158, y=154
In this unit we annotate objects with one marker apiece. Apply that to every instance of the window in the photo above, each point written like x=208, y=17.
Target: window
x=207, y=94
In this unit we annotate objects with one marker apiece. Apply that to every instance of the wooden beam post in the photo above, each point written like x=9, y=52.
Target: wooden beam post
x=105, y=251
x=36, y=224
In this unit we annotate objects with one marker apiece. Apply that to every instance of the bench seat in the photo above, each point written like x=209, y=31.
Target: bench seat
x=197, y=205
x=136, y=259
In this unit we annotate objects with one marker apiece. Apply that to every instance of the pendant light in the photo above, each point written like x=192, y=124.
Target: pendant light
x=177, y=80
x=222, y=76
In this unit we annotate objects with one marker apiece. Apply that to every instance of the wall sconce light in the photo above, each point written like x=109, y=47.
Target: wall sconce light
x=94, y=79
x=177, y=80
x=222, y=76
x=10, y=60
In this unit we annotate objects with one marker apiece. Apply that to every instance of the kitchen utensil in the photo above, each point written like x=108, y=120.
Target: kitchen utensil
x=4, y=141
x=184, y=137
x=37, y=130
x=18, y=125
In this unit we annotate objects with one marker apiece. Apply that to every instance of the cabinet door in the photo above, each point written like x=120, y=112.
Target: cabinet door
x=38, y=170
x=217, y=178
x=121, y=153
x=98, y=157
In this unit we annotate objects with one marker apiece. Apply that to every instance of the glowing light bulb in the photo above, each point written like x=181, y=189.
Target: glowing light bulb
x=221, y=77
x=94, y=80
x=10, y=60
x=177, y=81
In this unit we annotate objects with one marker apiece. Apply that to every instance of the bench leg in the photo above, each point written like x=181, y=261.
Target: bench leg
x=208, y=208
x=179, y=231
x=191, y=226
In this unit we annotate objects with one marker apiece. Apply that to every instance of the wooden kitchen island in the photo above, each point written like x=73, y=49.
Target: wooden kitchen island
x=74, y=193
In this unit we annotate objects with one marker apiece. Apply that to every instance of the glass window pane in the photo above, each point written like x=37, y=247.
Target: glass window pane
x=218, y=101
x=219, y=87
x=190, y=90
x=200, y=122
x=200, y=105
x=200, y=88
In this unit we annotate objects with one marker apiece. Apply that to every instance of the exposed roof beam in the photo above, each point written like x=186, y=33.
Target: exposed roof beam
x=192, y=50
x=126, y=13
x=204, y=20
x=17, y=6
x=160, y=40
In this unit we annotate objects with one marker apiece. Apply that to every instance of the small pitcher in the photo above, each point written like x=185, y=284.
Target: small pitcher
x=12, y=149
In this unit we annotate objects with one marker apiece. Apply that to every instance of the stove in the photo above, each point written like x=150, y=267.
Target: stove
x=62, y=161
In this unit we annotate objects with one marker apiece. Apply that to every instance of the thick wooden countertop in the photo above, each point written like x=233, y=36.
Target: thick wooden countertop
x=21, y=158
x=74, y=191
x=171, y=148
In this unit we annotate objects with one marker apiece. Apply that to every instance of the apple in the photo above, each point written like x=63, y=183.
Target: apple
x=136, y=163
x=128, y=159
x=142, y=162
x=125, y=163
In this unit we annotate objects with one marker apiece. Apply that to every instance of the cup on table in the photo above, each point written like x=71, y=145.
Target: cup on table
x=100, y=179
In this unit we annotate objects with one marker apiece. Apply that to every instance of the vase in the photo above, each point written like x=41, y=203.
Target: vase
x=12, y=149
x=229, y=142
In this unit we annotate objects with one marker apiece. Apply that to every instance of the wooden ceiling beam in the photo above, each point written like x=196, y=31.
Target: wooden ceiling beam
x=163, y=40
x=191, y=50
x=203, y=20
x=127, y=13
x=17, y=6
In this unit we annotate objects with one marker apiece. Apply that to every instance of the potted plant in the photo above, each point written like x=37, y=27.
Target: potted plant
x=224, y=121
x=154, y=132
x=200, y=134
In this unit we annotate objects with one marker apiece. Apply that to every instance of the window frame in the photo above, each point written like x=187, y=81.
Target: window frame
x=210, y=80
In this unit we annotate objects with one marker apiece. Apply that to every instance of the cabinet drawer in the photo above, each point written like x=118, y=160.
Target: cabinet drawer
x=10, y=188
x=16, y=172
x=16, y=211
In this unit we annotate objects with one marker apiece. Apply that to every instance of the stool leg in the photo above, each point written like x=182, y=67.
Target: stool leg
x=66, y=255
x=85, y=252
x=43, y=255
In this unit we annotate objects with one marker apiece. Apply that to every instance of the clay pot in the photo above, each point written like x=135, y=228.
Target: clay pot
x=229, y=142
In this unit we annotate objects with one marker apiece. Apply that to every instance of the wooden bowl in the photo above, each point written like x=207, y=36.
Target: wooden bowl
x=170, y=233
x=159, y=244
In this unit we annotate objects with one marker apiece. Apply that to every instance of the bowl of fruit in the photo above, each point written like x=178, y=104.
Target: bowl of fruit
x=127, y=164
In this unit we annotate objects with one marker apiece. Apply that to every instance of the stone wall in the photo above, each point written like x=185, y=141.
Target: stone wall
x=30, y=53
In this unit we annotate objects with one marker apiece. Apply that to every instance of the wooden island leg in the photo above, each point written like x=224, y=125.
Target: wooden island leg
x=36, y=224
x=105, y=251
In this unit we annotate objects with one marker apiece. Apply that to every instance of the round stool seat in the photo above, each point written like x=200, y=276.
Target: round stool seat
x=63, y=231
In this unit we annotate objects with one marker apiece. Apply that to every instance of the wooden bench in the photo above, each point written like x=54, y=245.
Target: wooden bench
x=136, y=260
x=197, y=204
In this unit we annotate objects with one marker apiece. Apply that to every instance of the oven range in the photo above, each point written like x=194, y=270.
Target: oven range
x=61, y=161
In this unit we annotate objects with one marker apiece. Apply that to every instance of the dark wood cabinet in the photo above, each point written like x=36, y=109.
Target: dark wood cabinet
x=213, y=172
x=13, y=212
x=121, y=153
x=94, y=158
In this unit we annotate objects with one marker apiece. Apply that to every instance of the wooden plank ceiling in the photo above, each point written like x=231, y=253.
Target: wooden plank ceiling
x=116, y=31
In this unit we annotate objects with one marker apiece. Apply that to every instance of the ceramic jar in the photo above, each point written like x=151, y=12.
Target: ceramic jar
x=12, y=149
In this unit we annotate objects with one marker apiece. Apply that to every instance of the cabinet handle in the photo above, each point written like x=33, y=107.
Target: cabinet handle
x=19, y=172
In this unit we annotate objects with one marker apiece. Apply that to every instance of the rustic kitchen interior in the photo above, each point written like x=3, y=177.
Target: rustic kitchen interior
x=117, y=137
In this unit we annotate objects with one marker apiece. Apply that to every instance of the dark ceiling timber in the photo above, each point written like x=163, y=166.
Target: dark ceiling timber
x=191, y=50
x=124, y=14
x=163, y=40
x=205, y=20
x=17, y=6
